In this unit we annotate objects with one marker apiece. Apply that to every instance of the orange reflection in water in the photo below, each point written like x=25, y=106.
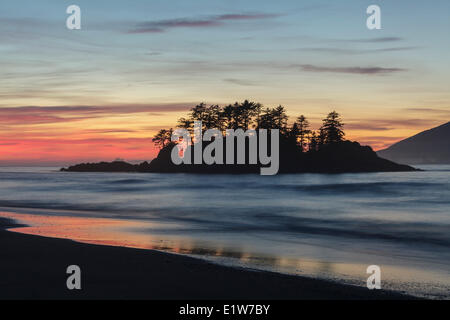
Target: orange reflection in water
x=130, y=233
x=135, y=234
x=124, y=233
x=114, y=232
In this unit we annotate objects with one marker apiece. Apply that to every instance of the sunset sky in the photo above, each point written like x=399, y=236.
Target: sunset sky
x=101, y=92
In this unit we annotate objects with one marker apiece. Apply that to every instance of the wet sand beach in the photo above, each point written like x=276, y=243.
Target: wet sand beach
x=34, y=267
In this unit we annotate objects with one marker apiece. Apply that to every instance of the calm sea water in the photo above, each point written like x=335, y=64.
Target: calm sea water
x=329, y=226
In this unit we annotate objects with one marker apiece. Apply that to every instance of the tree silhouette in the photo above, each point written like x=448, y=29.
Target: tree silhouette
x=185, y=123
x=257, y=114
x=321, y=138
x=235, y=116
x=227, y=116
x=162, y=138
x=280, y=118
x=332, y=128
x=313, y=143
x=198, y=113
x=248, y=114
x=302, y=131
x=212, y=117
x=292, y=134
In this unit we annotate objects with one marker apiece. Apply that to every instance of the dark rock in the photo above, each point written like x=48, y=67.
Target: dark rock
x=342, y=157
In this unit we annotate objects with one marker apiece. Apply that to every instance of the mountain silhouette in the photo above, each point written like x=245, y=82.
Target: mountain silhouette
x=428, y=147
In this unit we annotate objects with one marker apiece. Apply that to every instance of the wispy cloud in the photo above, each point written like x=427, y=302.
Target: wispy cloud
x=376, y=40
x=350, y=70
x=428, y=110
x=366, y=126
x=206, y=22
x=395, y=49
x=56, y=114
x=95, y=131
x=389, y=124
x=345, y=51
x=9, y=143
x=240, y=82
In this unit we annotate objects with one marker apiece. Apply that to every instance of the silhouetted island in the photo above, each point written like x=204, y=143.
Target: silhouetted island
x=301, y=150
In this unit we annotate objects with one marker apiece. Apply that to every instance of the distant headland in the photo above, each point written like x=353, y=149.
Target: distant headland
x=301, y=150
x=427, y=147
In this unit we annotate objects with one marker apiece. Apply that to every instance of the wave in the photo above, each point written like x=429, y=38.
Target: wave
x=127, y=181
x=366, y=187
x=295, y=206
x=419, y=233
x=261, y=221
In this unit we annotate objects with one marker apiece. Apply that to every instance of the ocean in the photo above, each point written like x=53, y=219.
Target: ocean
x=330, y=226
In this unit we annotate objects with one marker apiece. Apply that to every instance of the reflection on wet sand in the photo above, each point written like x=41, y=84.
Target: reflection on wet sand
x=138, y=234
x=125, y=233
x=118, y=232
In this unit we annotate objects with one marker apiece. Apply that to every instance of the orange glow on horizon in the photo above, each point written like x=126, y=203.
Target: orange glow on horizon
x=69, y=135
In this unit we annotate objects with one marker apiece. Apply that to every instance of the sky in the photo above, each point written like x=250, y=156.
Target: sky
x=136, y=66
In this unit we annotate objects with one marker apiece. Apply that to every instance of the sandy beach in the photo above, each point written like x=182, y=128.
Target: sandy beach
x=34, y=267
